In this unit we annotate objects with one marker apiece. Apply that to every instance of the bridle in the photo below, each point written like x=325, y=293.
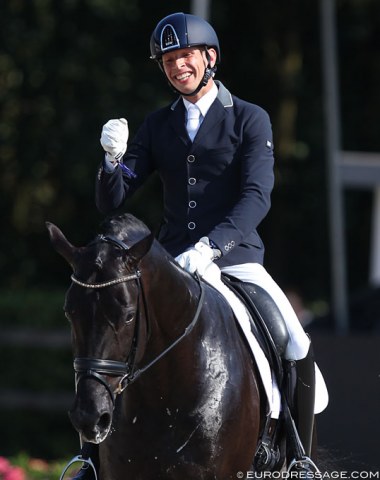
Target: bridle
x=96, y=368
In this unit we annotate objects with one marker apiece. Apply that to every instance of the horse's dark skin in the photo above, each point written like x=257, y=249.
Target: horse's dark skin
x=195, y=414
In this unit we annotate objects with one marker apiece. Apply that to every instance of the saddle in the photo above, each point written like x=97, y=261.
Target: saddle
x=269, y=328
x=267, y=322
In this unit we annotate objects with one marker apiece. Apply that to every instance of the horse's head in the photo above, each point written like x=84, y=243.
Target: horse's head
x=105, y=309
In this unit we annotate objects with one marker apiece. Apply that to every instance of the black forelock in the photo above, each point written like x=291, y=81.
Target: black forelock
x=126, y=226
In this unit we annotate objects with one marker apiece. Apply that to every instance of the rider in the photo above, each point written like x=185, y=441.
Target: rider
x=217, y=179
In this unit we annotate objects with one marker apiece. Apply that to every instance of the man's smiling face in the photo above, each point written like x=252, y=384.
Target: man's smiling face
x=185, y=68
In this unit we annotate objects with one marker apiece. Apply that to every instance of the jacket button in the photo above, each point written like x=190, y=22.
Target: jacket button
x=191, y=158
x=192, y=204
x=229, y=246
x=192, y=181
x=191, y=225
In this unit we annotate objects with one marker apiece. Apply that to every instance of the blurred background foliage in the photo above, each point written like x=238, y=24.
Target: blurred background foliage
x=67, y=66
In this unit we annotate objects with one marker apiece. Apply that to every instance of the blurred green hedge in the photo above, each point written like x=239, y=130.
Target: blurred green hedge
x=32, y=308
x=30, y=369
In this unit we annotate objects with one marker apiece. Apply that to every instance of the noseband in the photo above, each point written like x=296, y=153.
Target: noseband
x=97, y=368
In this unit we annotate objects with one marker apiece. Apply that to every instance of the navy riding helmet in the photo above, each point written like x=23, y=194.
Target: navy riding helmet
x=183, y=30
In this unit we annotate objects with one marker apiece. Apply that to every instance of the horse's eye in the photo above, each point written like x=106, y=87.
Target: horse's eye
x=129, y=318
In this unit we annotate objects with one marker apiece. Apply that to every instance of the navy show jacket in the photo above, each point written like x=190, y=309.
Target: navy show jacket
x=219, y=186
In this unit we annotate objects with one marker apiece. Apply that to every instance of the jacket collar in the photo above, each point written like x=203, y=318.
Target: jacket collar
x=215, y=115
x=224, y=96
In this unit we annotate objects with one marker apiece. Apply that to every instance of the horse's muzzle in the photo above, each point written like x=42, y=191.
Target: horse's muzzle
x=91, y=415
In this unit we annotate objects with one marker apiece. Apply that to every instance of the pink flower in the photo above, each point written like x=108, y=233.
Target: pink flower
x=15, y=473
x=7, y=472
x=5, y=466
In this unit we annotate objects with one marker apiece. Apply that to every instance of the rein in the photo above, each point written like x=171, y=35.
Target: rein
x=96, y=368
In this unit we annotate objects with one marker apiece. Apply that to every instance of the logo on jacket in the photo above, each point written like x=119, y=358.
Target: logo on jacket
x=169, y=38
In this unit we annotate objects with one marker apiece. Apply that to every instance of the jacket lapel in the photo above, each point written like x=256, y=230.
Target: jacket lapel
x=217, y=112
x=213, y=117
x=177, y=121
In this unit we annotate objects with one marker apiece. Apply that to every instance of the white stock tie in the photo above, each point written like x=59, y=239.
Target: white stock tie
x=193, y=114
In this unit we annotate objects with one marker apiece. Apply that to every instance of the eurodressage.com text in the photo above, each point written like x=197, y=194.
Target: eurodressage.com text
x=341, y=474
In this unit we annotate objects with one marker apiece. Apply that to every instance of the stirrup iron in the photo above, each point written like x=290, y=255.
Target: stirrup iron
x=301, y=462
x=87, y=463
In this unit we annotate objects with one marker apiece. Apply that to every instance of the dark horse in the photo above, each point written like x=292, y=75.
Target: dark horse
x=191, y=408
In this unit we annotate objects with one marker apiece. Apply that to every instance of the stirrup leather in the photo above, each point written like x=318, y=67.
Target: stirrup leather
x=87, y=463
x=301, y=461
x=268, y=454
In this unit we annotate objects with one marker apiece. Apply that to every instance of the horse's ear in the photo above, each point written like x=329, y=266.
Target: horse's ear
x=141, y=248
x=61, y=244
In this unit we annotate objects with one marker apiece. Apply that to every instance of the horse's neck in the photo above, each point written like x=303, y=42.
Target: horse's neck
x=171, y=300
x=173, y=296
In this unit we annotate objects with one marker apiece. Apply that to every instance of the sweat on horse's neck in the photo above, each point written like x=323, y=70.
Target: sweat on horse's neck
x=169, y=288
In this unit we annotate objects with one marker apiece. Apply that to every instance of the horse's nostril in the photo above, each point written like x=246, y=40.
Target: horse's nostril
x=104, y=421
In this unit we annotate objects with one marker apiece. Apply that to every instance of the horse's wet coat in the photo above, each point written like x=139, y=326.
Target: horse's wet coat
x=195, y=413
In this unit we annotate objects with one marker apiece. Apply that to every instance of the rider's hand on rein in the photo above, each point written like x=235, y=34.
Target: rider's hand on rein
x=199, y=257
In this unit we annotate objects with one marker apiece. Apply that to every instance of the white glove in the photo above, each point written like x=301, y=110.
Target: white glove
x=198, y=258
x=114, y=138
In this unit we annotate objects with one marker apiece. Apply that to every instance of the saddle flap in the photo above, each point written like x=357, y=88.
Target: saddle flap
x=267, y=323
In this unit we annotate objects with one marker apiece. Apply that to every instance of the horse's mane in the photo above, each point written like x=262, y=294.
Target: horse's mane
x=125, y=226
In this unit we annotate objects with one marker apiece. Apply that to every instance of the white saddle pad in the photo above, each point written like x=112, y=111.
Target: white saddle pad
x=213, y=276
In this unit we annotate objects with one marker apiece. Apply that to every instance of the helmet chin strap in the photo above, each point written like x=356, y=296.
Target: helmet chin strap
x=209, y=73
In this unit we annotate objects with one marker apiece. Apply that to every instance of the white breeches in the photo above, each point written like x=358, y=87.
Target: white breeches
x=299, y=342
